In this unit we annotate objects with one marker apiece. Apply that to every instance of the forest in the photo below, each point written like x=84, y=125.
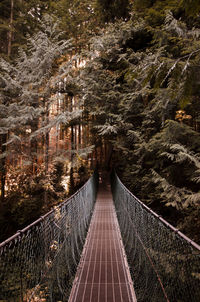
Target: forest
x=113, y=84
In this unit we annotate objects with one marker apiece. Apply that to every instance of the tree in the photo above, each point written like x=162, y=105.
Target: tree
x=26, y=91
x=78, y=20
x=139, y=76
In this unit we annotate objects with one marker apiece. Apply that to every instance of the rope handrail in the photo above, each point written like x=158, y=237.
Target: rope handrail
x=164, y=263
x=167, y=224
x=18, y=233
x=40, y=261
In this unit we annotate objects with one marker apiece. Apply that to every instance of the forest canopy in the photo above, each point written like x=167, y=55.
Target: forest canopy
x=114, y=82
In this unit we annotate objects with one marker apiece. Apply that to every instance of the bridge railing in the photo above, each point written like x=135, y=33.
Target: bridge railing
x=164, y=264
x=39, y=262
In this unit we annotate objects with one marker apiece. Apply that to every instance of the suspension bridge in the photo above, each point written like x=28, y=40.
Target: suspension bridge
x=98, y=246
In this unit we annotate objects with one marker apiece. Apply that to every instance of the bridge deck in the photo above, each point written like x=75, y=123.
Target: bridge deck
x=103, y=274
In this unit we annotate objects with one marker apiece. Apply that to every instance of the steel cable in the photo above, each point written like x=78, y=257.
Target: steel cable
x=164, y=264
x=39, y=263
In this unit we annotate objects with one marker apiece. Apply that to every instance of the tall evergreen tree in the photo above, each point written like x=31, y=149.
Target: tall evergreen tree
x=18, y=19
x=26, y=91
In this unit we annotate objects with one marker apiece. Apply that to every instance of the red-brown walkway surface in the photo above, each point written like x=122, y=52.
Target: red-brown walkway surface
x=103, y=274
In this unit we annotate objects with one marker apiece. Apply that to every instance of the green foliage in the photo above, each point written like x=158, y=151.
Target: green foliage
x=192, y=7
x=57, y=175
x=155, y=18
x=114, y=9
x=134, y=104
x=138, y=73
x=26, y=15
x=30, y=196
x=158, y=5
x=141, y=4
x=78, y=20
x=26, y=93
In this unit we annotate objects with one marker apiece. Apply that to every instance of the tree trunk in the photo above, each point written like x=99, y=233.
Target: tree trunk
x=109, y=156
x=3, y=140
x=46, y=140
x=11, y=28
x=34, y=147
x=71, y=185
x=46, y=153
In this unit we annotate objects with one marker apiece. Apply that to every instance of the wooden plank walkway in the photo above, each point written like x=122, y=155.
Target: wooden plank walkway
x=103, y=274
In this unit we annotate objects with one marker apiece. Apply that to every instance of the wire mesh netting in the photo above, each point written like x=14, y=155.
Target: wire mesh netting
x=164, y=264
x=39, y=263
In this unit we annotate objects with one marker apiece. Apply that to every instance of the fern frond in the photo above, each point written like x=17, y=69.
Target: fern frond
x=13, y=139
x=107, y=129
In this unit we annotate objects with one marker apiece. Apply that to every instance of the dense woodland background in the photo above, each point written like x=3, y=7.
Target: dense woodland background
x=95, y=82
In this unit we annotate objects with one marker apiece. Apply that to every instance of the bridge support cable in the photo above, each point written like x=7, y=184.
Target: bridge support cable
x=164, y=264
x=103, y=274
x=39, y=262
